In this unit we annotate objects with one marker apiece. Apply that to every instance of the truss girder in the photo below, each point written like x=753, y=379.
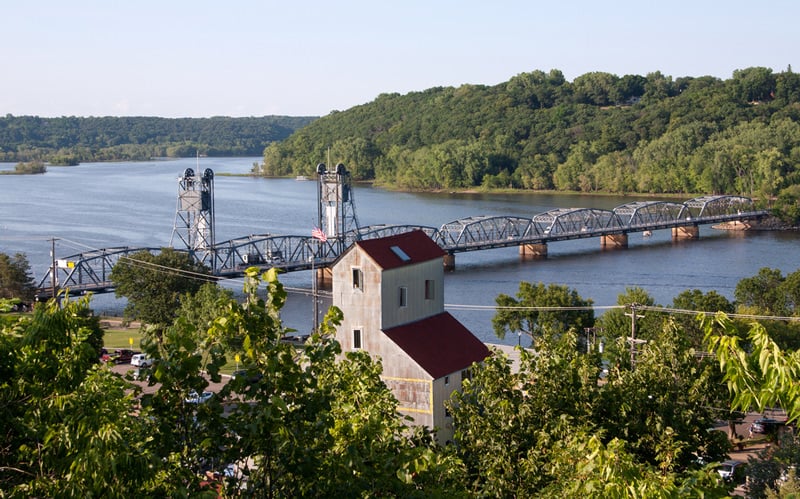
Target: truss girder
x=651, y=213
x=383, y=230
x=90, y=270
x=564, y=222
x=720, y=206
x=265, y=250
x=474, y=231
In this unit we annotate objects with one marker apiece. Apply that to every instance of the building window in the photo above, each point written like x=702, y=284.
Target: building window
x=358, y=279
x=356, y=339
x=466, y=374
x=403, y=296
x=446, y=412
x=446, y=380
x=430, y=290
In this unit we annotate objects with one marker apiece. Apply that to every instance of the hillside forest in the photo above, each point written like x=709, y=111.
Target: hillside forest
x=599, y=133
x=72, y=140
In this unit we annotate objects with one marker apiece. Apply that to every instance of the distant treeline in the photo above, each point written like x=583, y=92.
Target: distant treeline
x=598, y=133
x=71, y=140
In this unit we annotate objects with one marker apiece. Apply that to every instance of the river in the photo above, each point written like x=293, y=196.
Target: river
x=97, y=205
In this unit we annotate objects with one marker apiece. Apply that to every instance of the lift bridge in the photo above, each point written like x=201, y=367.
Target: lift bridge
x=193, y=232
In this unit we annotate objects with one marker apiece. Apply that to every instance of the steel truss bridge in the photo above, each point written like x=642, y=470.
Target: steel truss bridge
x=90, y=271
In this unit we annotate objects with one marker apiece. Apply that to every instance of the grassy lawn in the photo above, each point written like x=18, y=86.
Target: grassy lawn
x=120, y=338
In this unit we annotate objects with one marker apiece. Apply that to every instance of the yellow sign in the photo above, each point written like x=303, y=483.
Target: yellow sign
x=237, y=357
x=130, y=341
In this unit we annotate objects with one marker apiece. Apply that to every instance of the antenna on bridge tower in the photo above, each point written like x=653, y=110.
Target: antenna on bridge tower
x=194, y=215
x=337, y=210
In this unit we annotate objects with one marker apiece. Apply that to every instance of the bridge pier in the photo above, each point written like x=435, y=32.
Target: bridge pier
x=533, y=251
x=324, y=278
x=614, y=241
x=449, y=262
x=688, y=232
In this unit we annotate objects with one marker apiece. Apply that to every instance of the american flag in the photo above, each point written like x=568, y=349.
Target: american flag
x=317, y=233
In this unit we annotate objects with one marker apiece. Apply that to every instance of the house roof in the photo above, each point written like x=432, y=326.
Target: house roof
x=402, y=249
x=439, y=344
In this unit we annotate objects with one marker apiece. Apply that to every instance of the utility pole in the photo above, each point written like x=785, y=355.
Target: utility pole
x=53, y=266
x=632, y=339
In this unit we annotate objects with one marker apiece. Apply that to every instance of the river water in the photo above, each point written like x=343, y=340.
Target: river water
x=99, y=205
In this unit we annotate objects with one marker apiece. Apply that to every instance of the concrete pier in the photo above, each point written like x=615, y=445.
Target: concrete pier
x=614, y=241
x=449, y=262
x=532, y=251
x=324, y=278
x=688, y=232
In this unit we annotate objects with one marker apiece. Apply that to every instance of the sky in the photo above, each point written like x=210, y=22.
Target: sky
x=199, y=58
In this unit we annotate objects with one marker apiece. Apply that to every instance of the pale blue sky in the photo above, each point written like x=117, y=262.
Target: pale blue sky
x=199, y=58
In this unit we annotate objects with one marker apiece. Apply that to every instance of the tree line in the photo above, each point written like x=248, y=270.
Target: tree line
x=71, y=140
x=306, y=422
x=599, y=133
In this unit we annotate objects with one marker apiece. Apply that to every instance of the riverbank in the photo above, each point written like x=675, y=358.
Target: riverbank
x=767, y=224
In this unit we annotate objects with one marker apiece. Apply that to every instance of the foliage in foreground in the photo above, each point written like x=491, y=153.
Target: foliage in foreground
x=307, y=422
x=550, y=430
x=304, y=424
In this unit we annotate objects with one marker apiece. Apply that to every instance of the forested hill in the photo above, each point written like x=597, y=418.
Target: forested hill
x=600, y=132
x=70, y=140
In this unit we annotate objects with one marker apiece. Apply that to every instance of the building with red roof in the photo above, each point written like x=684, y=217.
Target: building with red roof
x=391, y=293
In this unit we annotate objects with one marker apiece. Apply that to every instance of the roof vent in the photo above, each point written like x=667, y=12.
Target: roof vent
x=400, y=253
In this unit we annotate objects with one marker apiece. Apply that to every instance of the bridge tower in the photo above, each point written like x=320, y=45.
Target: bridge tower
x=194, y=215
x=337, y=210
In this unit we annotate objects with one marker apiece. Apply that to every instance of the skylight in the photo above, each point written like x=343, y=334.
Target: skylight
x=400, y=253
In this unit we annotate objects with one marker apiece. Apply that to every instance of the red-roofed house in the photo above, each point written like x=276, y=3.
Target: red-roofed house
x=391, y=292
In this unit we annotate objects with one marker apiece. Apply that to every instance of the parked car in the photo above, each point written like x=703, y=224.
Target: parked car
x=141, y=360
x=121, y=356
x=202, y=398
x=250, y=376
x=732, y=471
x=765, y=426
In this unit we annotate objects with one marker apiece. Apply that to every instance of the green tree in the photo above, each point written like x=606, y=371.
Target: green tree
x=154, y=284
x=507, y=424
x=68, y=428
x=696, y=300
x=315, y=425
x=618, y=322
x=16, y=280
x=545, y=430
x=762, y=293
x=540, y=309
x=663, y=405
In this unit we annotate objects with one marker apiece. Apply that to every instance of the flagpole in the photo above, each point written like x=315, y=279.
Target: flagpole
x=319, y=237
x=314, y=294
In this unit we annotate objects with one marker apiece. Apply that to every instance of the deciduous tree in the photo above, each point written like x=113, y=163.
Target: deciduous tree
x=539, y=309
x=16, y=280
x=154, y=284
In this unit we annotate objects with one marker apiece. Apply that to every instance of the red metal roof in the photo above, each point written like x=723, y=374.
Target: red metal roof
x=439, y=344
x=416, y=245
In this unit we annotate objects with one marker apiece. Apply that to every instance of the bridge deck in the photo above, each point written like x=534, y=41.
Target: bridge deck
x=89, y=271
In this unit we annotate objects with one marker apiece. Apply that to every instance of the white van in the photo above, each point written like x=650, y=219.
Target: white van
x=141, y=360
